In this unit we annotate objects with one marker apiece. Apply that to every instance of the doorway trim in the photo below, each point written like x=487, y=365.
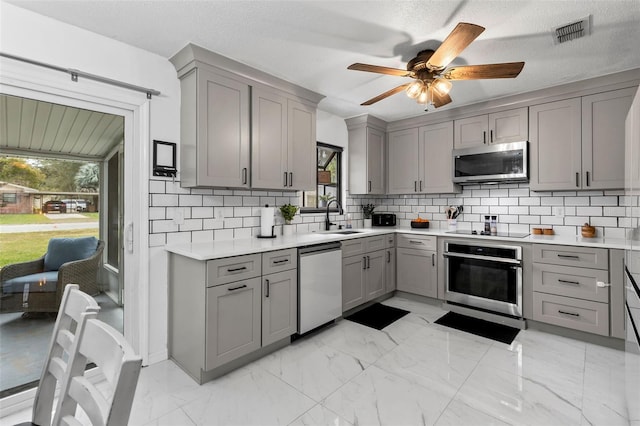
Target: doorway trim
x=29, y=81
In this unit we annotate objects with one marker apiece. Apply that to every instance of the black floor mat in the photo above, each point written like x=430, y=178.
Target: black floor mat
x=490, y=330
x=377, y=316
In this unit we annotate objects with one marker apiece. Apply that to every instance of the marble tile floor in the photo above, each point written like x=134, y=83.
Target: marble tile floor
x=413, y=372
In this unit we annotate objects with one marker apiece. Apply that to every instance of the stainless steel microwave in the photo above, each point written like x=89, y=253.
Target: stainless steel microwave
x=503, y=162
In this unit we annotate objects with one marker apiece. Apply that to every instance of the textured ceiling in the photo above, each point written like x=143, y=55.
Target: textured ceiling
x=311, y=43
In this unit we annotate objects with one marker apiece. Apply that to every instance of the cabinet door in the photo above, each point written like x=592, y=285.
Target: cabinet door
x=353, y=282
x=221, y=153
x=403, y=161
x=632, y=147
x=509, y=126
x=375, y=161
x=233, y=321
x=603, y=118
x=470, y=132
x=416, y=272
x=390, y=270
x=375, y=274
x=301, y=142
x=555, y=145
x=436, y=164
x=279, y=306
x=268, y=140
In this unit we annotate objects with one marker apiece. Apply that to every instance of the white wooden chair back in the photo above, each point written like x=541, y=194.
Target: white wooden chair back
x=74, y=304
x=103, y=345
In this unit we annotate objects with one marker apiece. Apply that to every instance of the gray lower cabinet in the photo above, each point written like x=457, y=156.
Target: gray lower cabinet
x=279, y=306
x=363, y=270
x=572, y=288
x=225, y=309
x=390, y=265
x=233, y=321
x=416, y=265
x=353, y=282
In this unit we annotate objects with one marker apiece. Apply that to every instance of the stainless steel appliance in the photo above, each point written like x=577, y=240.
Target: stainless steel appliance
x=319, y=285
x=503, y=162
x=485, y=276
x=383, y=219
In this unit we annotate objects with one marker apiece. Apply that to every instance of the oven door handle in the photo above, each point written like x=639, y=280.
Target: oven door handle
x=487, y=258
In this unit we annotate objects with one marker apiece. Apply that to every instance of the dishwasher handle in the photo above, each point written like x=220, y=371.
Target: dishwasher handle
x=318, y=248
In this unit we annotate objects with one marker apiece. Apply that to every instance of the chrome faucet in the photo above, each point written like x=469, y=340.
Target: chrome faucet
x=327, y=222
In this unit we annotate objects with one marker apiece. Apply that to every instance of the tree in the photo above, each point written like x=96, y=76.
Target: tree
x=60, y=174
x=88, y=177
x=19, y=172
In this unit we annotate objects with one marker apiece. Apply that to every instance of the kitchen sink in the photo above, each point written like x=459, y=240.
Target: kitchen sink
x=347, y=232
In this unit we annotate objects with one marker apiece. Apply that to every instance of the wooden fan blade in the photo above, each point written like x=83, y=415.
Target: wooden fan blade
x=481, y=72
x=461, y=37
x=439, y=100
x=386, y=94
x=379, y=69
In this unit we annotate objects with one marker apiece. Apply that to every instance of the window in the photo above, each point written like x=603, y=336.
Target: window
x=9, y=198
x=328, y=180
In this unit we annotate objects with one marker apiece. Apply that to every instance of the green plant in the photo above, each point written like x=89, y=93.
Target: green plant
x=327, y=197
x=367, y=210
x=288, y=211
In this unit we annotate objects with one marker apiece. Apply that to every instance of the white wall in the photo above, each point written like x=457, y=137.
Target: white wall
x=32, y=36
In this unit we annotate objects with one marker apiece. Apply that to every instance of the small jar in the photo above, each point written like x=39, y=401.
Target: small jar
x=487, y=224
x=494, y=225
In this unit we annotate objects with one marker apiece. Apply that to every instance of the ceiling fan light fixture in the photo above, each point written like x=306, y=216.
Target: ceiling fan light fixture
x=441, y=86
x=414, y=89
x=423, y=97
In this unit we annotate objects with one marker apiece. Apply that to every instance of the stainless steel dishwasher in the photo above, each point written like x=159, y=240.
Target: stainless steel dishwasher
x=320, y=285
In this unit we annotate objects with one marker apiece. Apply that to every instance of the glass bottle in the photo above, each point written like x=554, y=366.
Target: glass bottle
x=494, y=225
x=487, y=225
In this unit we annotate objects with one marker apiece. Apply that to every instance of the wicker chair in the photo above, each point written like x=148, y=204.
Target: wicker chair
x=83, y=272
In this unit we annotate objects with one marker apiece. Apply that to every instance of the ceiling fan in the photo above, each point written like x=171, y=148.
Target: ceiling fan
x=432, y=81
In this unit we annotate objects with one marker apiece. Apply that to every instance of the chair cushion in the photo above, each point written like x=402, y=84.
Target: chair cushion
x=63, y=250
x=42, y=282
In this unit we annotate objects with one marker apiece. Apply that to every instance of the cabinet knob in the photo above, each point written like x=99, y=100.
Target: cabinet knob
x=602, y=284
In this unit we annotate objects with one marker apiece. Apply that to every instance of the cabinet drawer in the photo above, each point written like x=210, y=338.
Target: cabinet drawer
x=353, y=247
x=278, y=261
x=584, y=315
x=585, y=257
x=417, y=242
x=230, y=269
x=390, y=241
x=375, y=243
x=571, y=282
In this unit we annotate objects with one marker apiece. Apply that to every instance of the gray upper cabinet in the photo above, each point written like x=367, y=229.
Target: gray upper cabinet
x=579, y=143
x=366, y=155
x=632, y=134
x=416, y=162
x=215, y=131
x=269, y=165
x=498, y=127
x=555, y=145
x=603, y=124
x=283, y=143
x=404, y=161
x=436, y=144
x=241, y=127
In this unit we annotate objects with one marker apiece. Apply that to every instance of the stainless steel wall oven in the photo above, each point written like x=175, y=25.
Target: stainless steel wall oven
x=485, y=276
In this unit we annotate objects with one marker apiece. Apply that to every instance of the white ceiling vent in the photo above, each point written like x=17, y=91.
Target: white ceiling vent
x=572, y=30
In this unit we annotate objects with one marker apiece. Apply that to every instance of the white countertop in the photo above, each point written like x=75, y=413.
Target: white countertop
x=220, y=249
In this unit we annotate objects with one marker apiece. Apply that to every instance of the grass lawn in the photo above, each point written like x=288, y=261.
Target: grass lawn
x=24, y=246
x=27, y=219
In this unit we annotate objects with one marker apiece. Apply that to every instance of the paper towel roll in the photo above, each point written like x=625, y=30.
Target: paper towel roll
x=266, y=221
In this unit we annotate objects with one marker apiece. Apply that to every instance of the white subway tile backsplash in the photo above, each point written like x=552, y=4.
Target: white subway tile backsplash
x=164, y=200
x=604, y=201
x=589, y=211
x=518, y=209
